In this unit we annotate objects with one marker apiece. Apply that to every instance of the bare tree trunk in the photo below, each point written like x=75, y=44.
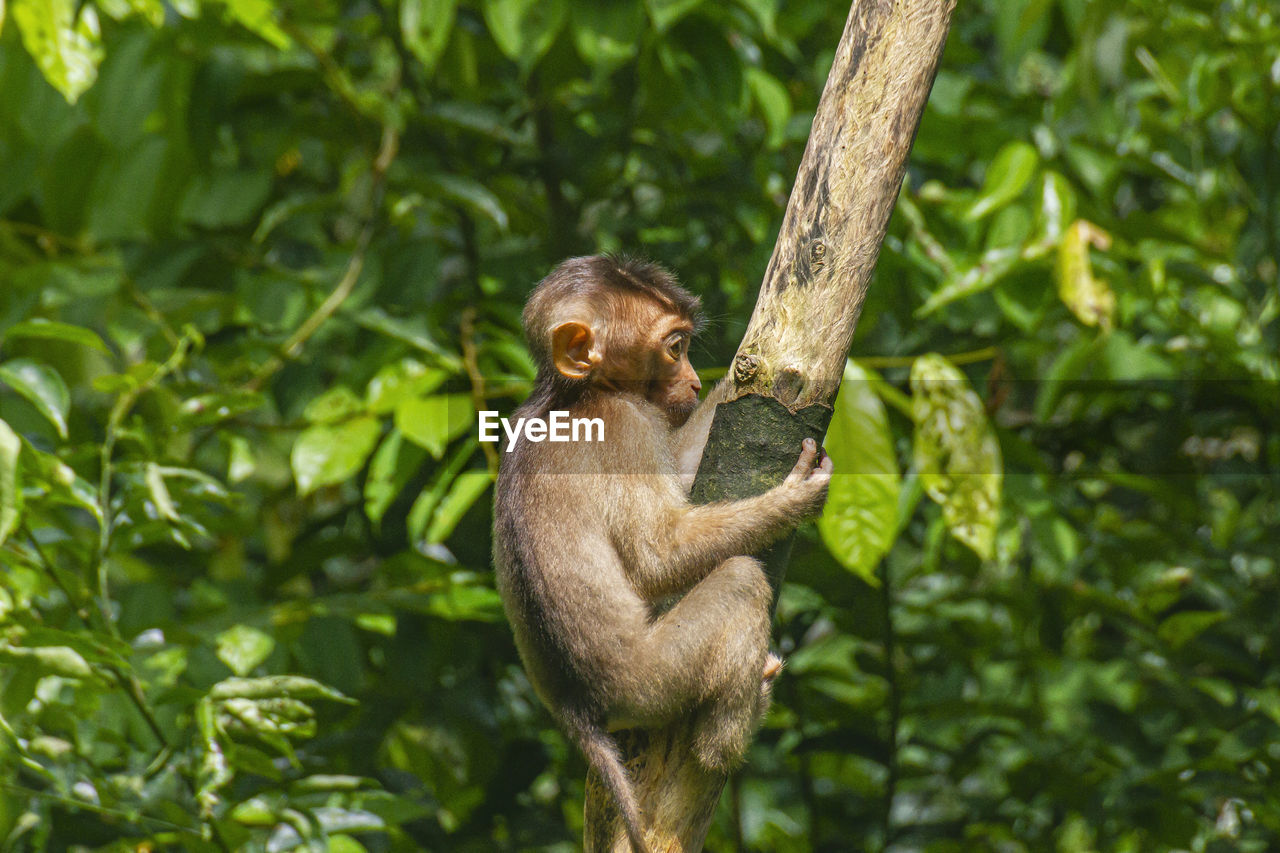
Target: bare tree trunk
x=788, y=368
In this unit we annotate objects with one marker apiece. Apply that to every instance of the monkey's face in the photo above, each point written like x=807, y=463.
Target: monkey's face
x=673, y=385
x=630, y=343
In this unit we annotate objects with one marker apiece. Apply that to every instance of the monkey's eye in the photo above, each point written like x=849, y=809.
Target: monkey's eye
x=676, y=348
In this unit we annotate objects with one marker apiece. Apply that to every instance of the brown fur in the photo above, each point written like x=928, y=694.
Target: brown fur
x=589, y=537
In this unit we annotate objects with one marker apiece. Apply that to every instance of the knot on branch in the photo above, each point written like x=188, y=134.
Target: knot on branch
x=745, y=368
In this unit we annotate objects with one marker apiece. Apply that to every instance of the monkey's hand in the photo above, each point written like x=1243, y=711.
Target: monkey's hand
x=808, y=481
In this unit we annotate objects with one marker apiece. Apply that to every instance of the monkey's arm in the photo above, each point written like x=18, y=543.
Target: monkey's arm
x=683, y=541
x=689, y=440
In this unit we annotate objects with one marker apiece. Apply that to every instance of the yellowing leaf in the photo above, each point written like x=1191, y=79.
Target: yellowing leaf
x=956, y=452
x=67, y=49
x=1089, y=298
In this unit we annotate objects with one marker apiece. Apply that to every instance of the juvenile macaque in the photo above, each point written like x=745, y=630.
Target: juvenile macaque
x=590, y=537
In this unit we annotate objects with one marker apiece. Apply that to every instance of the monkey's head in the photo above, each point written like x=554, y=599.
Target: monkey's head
x=615, y=324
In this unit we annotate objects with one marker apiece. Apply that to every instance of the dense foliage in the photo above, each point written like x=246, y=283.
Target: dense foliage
x=259, y=263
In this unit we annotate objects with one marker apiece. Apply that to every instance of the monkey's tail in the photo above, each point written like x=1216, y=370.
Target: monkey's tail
x=603, y=755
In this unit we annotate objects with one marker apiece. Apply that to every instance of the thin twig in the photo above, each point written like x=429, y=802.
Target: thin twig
x=124, y=404
x=293, y=346
x=479, y=398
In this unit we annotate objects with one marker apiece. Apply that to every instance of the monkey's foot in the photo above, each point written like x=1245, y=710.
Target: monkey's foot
x=772, y=666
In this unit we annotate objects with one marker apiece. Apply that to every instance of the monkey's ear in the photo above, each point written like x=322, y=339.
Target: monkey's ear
x=573, y=349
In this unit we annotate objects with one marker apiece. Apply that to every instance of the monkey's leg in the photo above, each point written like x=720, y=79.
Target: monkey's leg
x=710, y=650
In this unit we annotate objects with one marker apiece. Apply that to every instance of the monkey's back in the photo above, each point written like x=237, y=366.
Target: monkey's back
x=563, y=584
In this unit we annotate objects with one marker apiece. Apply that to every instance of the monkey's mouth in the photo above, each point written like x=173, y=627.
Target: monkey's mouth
x=678, y=413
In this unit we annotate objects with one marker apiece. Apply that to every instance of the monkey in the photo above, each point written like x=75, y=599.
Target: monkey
x=593, y=540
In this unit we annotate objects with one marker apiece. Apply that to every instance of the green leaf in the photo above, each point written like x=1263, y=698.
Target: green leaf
x=394, y=465
x=49, y=660
x=956, y=452
x=94, y=647
x=336, y=404
x=325, y=454
x=240, y=460
x=476, y=118
x=331, y=820
x=607, y=34
x=1057, y=205
x=467, y=603
x=859, y=522
x=1020, y=28
x=469, y=486
x=424, y=506
x=345, y=844
x=432, y=422
x=1007, y=176
x=42, y=386
x=242, y=648
x=413, y=332
x=225, y=198
x=1089, y=298
x=151, y=10
x=258, y=17
x=472, y=194
x=10, y=487
x=275, y=686
x=1181, y=628
x=524, y=29
x=63, y=483
x=993, y=265
x=160, y=493
x=67, y=50
x=664, y=13
x=212, y=408
x=426, y=25
x=775, y=104
x=53, y=330
x=394, y=383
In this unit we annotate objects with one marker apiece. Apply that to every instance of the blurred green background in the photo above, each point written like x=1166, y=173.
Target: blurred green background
x=260, y=261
